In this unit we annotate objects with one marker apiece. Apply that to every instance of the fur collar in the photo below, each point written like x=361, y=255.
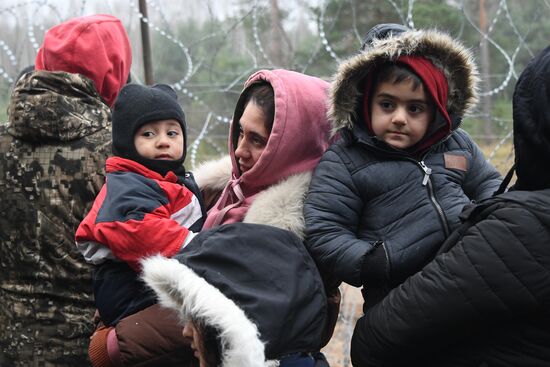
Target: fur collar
x=213, y=175
x=280, y=205
x=449, y=55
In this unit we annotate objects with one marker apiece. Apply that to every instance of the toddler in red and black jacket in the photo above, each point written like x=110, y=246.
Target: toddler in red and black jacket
x=148, y=205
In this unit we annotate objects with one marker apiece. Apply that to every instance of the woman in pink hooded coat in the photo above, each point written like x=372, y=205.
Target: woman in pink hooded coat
x=267, y=173
x=278, y=134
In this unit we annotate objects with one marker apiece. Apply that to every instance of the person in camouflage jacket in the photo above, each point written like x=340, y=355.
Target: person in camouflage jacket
x=52, y=154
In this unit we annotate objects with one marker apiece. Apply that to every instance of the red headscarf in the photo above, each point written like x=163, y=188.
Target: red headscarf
x=434, y=82
x=95, y=46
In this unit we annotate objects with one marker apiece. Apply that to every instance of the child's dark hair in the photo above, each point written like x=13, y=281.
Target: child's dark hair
x=395, y=73
x=212, y=344
x=262, y=95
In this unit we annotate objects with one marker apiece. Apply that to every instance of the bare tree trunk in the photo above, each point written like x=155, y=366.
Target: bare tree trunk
x=146, y=45
x=486, y=100
x=276, y=46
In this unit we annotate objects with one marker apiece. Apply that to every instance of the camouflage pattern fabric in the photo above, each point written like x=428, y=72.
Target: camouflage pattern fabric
x=69, y=107
x=52, y=156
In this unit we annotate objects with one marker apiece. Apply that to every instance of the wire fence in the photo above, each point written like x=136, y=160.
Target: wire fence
x=206, y=50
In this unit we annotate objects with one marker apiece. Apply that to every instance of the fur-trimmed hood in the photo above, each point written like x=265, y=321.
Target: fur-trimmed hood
x=449, y=55
x=280, y=205
x=255, y=284
x=299, y=136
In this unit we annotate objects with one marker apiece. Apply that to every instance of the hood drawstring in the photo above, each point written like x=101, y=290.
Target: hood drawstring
x=234, y=186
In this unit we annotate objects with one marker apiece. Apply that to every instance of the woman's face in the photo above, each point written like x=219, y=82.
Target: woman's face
x=253, y=137
x=191, y=333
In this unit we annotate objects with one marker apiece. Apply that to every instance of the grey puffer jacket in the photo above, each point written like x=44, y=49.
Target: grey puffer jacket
x=375, y=214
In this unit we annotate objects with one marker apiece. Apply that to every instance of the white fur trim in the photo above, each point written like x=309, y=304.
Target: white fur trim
x=214, y=175
x=281, y=205
x=180, y=288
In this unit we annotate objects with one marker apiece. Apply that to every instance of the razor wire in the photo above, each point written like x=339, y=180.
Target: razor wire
x=209, y=92
x=250, y=22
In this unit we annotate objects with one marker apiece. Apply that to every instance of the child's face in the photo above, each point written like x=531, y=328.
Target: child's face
x=253, y=136
x=400, y=114
x=161, y=139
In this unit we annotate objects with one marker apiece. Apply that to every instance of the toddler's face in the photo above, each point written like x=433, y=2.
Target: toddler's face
x=400, y=114
x=161, y=139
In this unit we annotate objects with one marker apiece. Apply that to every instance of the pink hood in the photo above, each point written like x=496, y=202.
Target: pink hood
x=95, y=46
x=299, y=136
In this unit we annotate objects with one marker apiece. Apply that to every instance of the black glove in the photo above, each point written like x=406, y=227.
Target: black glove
x=375, y=274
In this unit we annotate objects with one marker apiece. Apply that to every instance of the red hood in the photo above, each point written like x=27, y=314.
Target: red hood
x=95, y=46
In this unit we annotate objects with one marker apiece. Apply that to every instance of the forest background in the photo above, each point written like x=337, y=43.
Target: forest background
x=206, y=50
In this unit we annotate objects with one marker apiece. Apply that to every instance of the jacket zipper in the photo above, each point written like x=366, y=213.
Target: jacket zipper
x=426, y=181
